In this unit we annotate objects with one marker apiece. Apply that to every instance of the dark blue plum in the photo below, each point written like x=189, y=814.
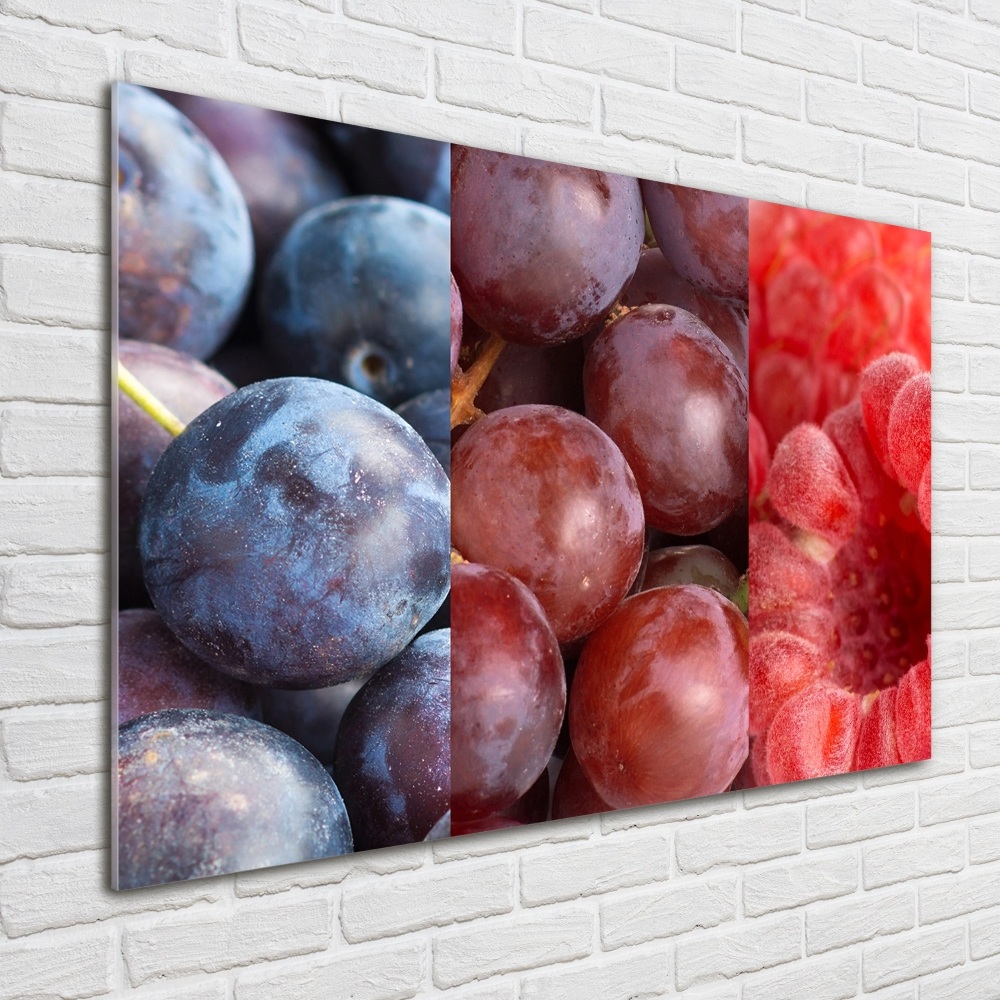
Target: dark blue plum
x=185, y=248
x=360, y=292
x=205, y=793
x=296, y=534
x=429, y=414
x=393, y=755
x=380, y=162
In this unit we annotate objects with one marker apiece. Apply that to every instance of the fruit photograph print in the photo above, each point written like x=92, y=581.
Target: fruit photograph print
x=282, y=302
x=457, y=491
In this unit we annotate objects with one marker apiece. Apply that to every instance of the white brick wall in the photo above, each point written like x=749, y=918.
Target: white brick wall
x=885, y=884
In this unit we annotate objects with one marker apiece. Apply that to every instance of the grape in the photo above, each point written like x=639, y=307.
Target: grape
x=296, y=534
x=392, y=761
x=704, y=235
x=574, y=795
x=203, y=793
x=508, y=691
x=546, y=496
x=659, y=708
x=687, y=446
x=540, y=251
x=700, y=564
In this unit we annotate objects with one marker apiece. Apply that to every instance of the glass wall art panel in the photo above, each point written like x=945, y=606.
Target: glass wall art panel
x=457, y=491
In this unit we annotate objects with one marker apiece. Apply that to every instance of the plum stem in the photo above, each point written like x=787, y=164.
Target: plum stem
x=465, y=385
x=147, y=402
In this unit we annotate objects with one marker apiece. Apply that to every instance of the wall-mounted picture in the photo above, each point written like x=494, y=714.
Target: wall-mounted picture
x=458, y=491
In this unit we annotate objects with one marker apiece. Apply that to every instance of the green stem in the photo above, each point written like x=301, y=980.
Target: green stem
x=147, y=402
x=741, y=596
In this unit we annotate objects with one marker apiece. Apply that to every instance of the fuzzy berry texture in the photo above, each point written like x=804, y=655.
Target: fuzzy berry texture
x=840, y=495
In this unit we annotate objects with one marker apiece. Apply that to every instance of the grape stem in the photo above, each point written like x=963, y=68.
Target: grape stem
x=741, y=596
x=147, y=402
x=465, y=385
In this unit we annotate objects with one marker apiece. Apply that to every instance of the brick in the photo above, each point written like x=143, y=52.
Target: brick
x=876, y=19
x=900, y=859
x=985, y=10
x=949, y=463
x=329, y=871
x=75, y=69
x=799, y=44
x=42, y=440
x=51, y=666
x=55, y=287
x=685, y=125
x=628, y=977
x=318, y=46
x=950, y=896
x=54, y=140
x=732, y=80
x=202, y=26
x=497, y=842
x=56, y=742
x=984, y=747
x=64, y=366
x=400, y=114
x=42, y=592
x=857, y=109
x=53, y=818
x=984, y=188
x=204, y=991
x=487, y=24
x=914, y=173
x=970, y=701
x=399, y=903
x=666, y=812
x=900, y=959
x=511, y=944
x=802, y=148
x=984, y=95
x=984, y=936
x=52, y=518
x=854, y=819
x=860, y=918
x=903, y=73
x=788, y=6
x=667, y=911
x=984, y=654
x=733, y=177
x=711, y=22
x=510, y=87
x=984, y=468
x=956, y=323
x=959, y=799
x=73, y=890
x=859, y=202
x=948, y=365
x=63, y=215
x=599, y=152
x=744, y=838
x=947, y=282
x=967, y=606
x=596, y=47
x=984, y=561
x=959, y=136
x=958, y=41
x=799, y=791
x=207, y=942
x=946, y=415
x=383, y=973
x=794, y=884
x=825, y=979
x=227, y=80
x=58, y=965
x=947, y=560
x=978, y=981
x=961, y=229
x=548, y=876
x=984, y=280
x=755, y=945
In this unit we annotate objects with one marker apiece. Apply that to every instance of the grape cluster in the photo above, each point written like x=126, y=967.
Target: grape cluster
x=283, y=553
x=600, y=414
